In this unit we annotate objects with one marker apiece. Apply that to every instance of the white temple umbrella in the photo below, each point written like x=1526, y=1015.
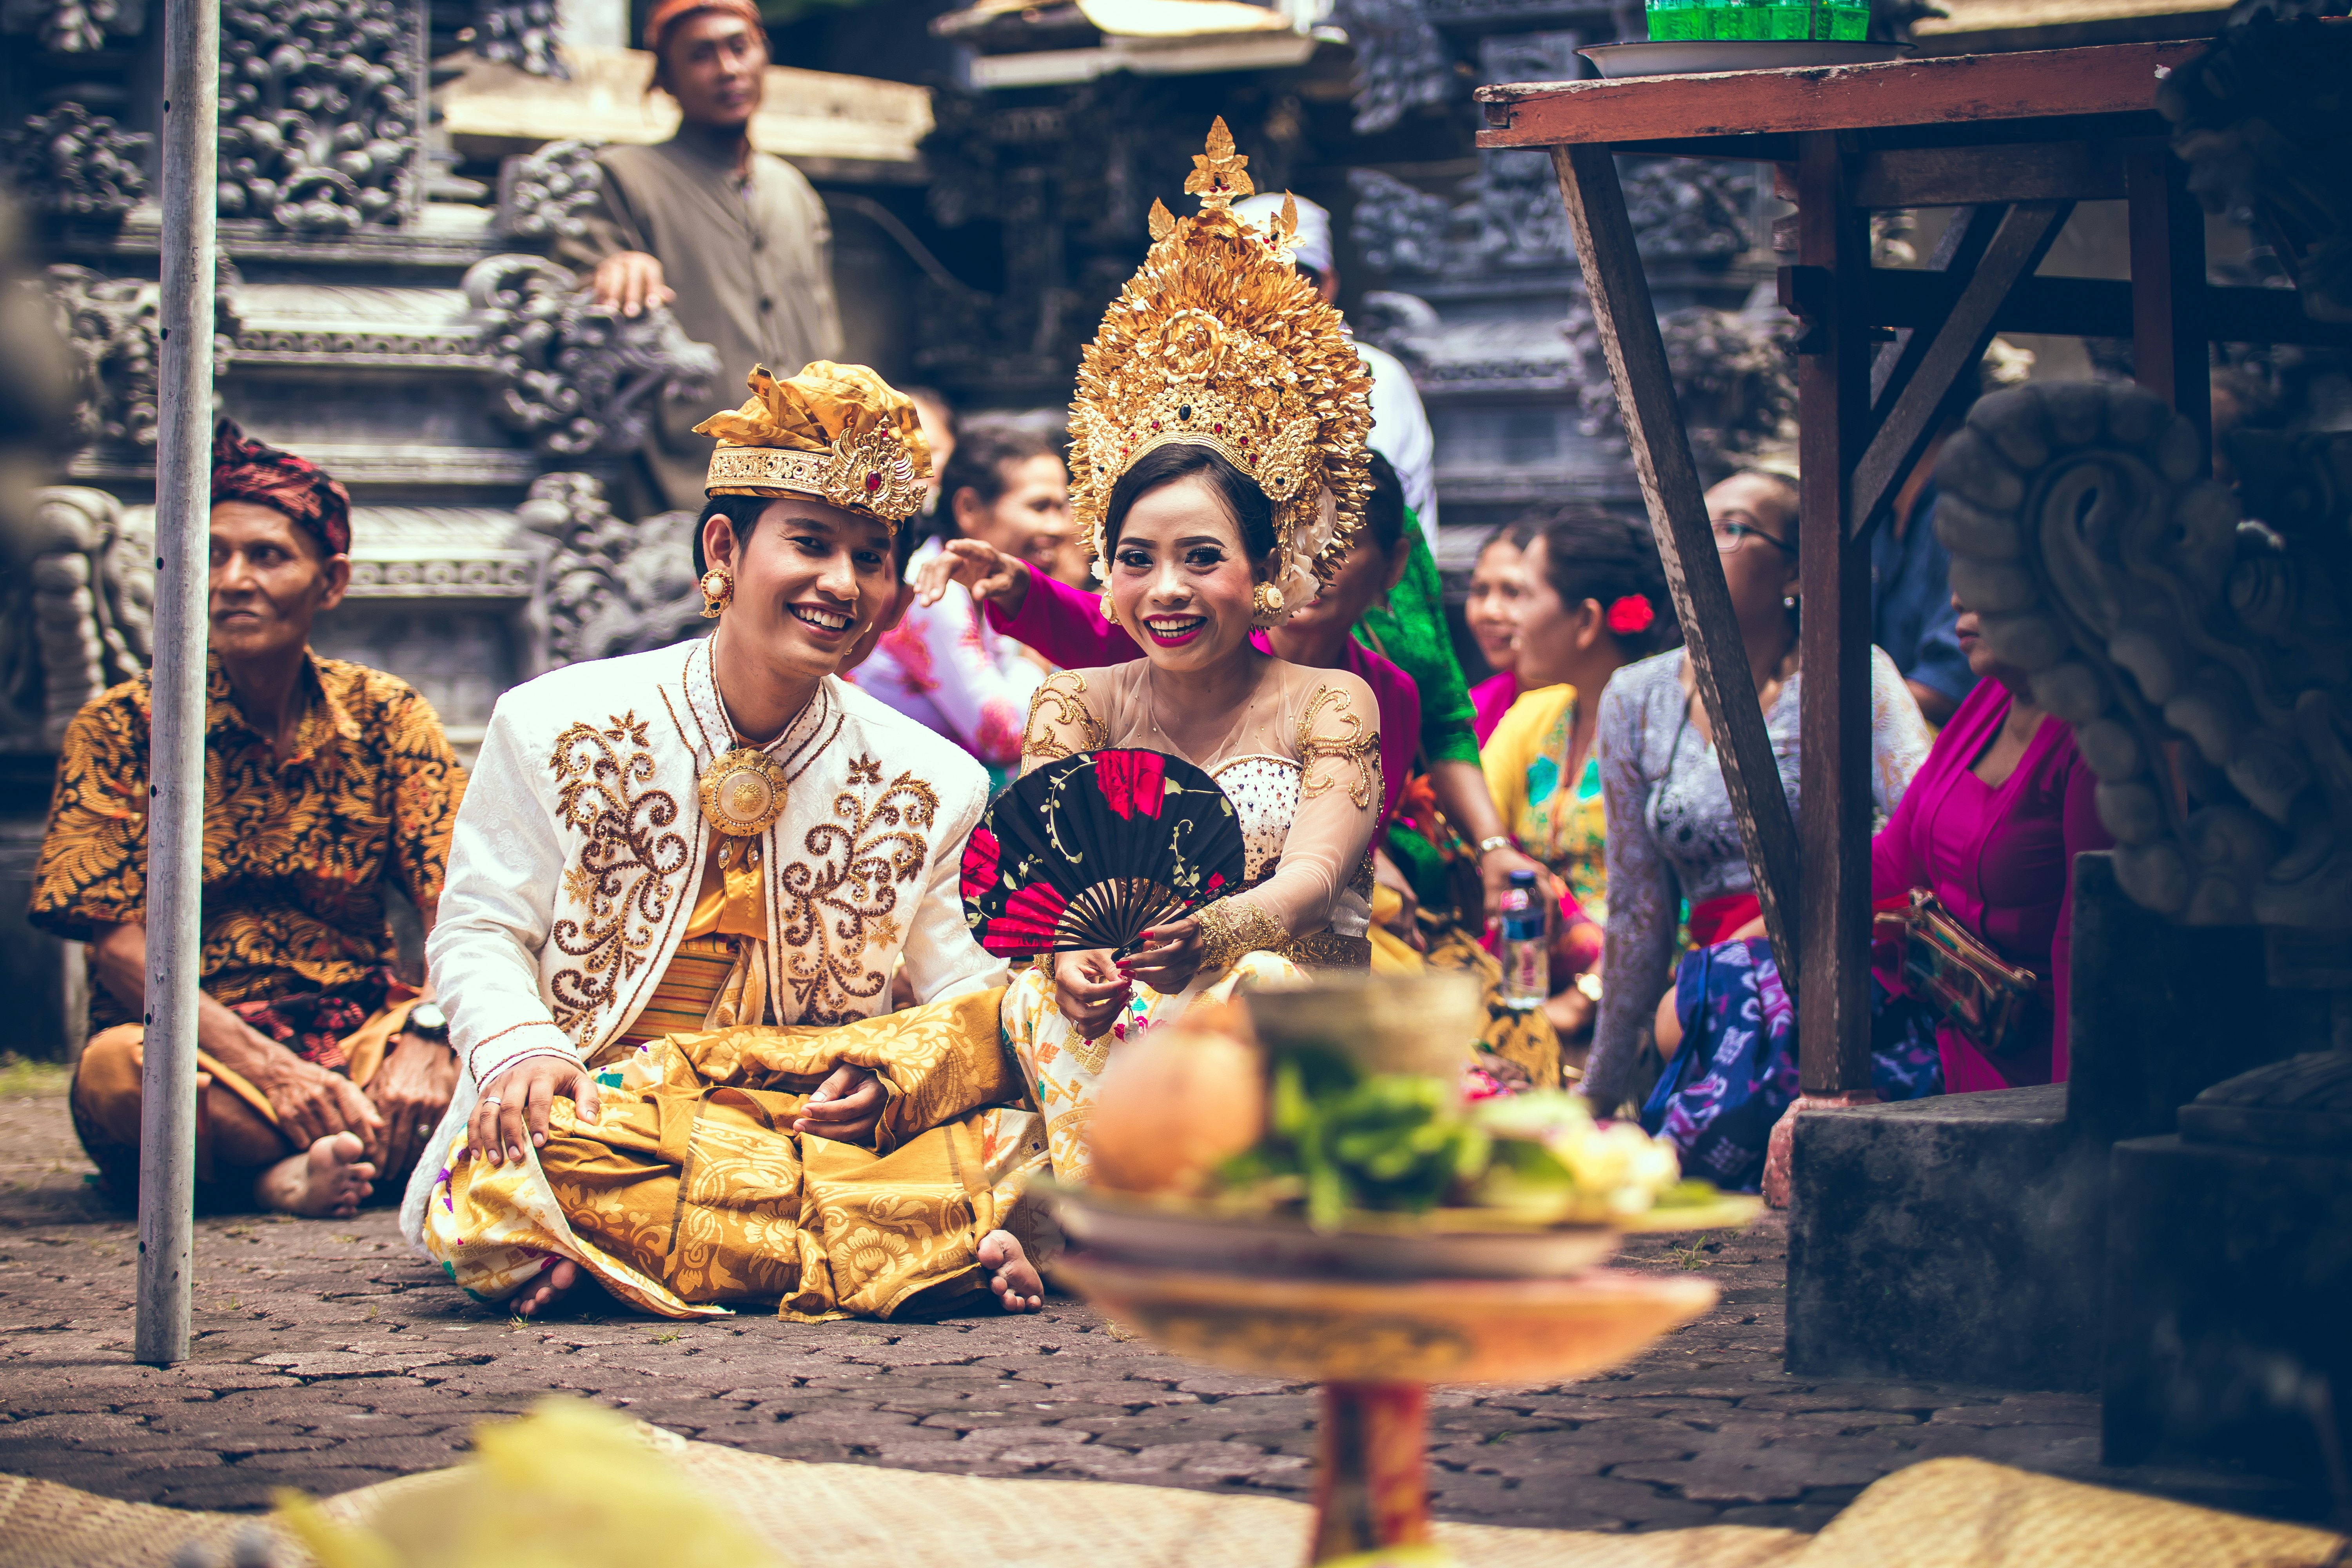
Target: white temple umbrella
x=175, y=753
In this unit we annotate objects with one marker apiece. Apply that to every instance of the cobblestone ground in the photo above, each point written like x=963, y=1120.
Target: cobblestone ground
x=327, y=1357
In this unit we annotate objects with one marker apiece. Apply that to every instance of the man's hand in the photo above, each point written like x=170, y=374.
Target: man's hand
x=310, y=1102
x=410, y=1092
x=514, y=1106
x=631, y=282
x=845, y=1108
x=1000, y=579
x=1090, y=991
x=1405, y=928
x=1168, y=958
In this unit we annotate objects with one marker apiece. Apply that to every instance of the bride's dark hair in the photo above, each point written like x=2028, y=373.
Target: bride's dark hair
x=1252, y=513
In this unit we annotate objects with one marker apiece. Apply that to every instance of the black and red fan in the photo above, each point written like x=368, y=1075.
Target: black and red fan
x=1093, y=850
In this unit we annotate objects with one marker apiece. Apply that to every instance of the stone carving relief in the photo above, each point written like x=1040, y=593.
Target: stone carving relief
x=576, y=377
x=1514, y=220
x=543, y=197
x=80, y=617
x=2205, y=663
x=73, y=27
x=319, y=114
x=113, y=327
x=1401, y=63
x=519, y=33
x=608, y=587
x=72, y=164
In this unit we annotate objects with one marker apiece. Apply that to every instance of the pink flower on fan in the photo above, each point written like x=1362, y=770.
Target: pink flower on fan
x=1027, y=924
x=980, y=857
x=1132, y=780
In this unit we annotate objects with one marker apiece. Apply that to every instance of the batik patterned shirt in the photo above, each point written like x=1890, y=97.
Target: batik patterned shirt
x=296, y=853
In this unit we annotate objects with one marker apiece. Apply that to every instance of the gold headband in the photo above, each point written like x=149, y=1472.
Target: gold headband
x=837, y=433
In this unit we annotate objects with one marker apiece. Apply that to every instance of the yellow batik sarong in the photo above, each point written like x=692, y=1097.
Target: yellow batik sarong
x=690, y=1191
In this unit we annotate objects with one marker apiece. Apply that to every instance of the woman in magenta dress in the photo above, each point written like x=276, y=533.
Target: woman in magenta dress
x=1992, y=826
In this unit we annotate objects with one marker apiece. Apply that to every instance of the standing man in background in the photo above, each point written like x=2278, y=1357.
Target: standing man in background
x=733, y=240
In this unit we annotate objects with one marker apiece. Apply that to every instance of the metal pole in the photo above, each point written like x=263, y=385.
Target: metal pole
x=175, y=753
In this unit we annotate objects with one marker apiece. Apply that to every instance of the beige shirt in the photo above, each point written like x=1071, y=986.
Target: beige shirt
x=751, y=261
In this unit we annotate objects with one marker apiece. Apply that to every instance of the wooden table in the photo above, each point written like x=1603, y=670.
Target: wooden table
x=2012, y=140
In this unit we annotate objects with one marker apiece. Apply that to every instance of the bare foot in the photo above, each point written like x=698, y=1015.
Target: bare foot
x=1010, y=1277
x=325, y=1181
x=551, y=1290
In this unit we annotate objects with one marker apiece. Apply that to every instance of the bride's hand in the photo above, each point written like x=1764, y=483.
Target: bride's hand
x=1168, y=958
x=1002, y=580
x=1089, y=991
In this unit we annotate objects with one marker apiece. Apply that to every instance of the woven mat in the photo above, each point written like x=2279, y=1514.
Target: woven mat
x=1944, y=1513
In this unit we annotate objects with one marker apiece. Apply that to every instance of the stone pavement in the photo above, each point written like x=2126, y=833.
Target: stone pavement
x=328, y=1357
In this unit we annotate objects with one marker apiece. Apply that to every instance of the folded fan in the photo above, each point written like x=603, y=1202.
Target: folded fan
x=1093, y=850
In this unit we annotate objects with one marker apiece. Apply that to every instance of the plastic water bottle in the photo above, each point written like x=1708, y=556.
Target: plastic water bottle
x=1676, y=19
x=1527, y=956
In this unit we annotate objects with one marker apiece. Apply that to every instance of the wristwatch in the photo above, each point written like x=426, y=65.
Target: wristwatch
x=1489, y=846
x=427, y=1022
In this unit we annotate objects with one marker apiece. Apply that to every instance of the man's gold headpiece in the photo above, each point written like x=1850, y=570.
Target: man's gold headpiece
x=1219, y=342
x=838, y=433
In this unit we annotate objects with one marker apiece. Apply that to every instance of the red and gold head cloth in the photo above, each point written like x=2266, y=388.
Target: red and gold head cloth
x=250, y=471
x=837, y=433
x=668, y=12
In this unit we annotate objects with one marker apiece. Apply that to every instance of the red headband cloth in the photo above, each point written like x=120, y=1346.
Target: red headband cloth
x=669, y=11
x=250, y=471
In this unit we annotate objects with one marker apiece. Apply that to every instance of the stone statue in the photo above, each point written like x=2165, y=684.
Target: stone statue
x=576, y=377
x=71, y=164
x=607, y=587
x=2204, y=661
x=79, y=617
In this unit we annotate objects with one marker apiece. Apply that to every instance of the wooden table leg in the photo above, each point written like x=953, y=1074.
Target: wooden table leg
x=1372, y=1487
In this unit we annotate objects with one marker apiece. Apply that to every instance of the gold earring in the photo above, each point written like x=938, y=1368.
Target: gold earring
x=718, y=592
x=1268, y=600
x=1110, y=615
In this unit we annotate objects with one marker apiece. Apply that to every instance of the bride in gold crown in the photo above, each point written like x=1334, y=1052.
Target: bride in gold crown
x=1218, y=458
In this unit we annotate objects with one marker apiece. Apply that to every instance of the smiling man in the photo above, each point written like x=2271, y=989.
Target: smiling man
x=733, y=240
x=678, y=891
x=318, y=1071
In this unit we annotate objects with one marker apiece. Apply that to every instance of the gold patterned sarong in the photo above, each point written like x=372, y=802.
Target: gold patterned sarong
x=691, y=1192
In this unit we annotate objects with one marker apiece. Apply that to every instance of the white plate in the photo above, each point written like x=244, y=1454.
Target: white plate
x=1690, y=57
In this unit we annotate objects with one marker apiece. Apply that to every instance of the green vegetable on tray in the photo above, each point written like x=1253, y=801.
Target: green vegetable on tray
x=1340, y=1140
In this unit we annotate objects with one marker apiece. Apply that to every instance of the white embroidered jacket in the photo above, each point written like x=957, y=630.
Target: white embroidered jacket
x=579, y=849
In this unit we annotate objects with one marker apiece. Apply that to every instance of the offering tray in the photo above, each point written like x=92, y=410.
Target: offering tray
x=1376, y=1336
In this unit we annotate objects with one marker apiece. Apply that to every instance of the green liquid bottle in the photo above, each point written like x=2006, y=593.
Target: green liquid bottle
x=1675, y=20
x=1729, y=19
x=1849, y=23
x=1782, y=21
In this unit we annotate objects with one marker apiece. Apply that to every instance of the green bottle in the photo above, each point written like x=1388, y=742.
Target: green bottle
x=1676, y=20
x=1849, y=21
x=1781, y=21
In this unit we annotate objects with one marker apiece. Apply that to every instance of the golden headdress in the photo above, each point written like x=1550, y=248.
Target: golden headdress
x=1219, y=342
x=836, y=432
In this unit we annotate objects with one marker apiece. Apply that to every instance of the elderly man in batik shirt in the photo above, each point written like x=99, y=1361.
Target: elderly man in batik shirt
x=678, y=891
x=325, y=783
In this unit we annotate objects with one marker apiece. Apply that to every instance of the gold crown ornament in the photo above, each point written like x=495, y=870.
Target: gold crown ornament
x=837, y=433
x=1219, y=342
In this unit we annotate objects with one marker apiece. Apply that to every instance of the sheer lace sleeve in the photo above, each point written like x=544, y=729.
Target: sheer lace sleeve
x=1334, y=730
x=1061, y=723
x=1638, y=950
x=1898, y=736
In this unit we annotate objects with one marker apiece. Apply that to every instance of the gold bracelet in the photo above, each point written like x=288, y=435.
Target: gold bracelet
x=1230, y=928
x=1489, y=846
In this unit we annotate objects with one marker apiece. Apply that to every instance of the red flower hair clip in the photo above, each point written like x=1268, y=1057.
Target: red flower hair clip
x=1629, y=614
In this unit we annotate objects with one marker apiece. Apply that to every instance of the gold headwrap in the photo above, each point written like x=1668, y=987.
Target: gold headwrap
x=836, y=432
x=1219, y=342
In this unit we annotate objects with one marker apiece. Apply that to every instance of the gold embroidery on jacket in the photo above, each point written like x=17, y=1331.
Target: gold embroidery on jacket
x=624, y=870
x=1352, y=746
x=830, y=911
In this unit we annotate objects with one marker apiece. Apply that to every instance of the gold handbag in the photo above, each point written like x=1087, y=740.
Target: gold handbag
x=1987, y=1000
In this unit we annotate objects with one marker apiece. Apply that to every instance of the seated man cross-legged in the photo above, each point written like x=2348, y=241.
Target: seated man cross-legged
x=680, y=888
x=319, y=1072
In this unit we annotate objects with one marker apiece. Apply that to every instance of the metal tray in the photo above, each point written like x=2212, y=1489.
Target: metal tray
x=1690, y=57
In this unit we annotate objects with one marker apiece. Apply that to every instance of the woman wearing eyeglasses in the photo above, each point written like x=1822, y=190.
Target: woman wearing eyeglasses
x=1727, y=1030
